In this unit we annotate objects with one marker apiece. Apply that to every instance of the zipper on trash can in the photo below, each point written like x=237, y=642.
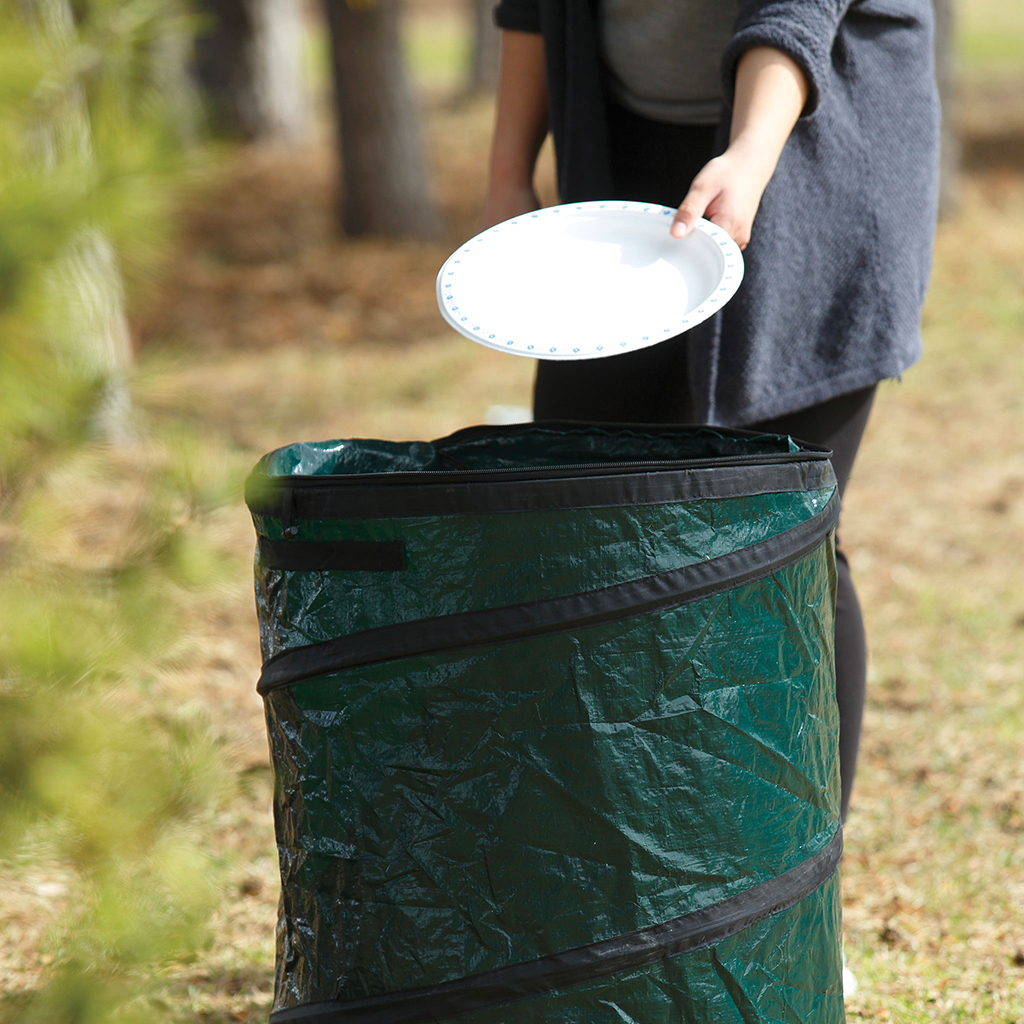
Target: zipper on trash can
x=288, y=527
x=525, y=489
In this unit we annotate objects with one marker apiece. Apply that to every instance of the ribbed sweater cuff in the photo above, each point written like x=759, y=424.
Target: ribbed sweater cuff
x=805, y=32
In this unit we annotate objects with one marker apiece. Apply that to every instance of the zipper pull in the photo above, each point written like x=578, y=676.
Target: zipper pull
x=288, y=527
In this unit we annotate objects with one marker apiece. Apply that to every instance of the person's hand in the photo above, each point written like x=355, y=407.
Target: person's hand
x=505, y=202
x=771, y=91
x=728, y=192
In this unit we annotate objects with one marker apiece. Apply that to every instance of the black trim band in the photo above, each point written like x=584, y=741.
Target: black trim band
x=556, y=615
x=318, y=556
x=402, y=495
x=583, y=964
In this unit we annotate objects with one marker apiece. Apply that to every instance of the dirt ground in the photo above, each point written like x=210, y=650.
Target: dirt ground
x=267, y=328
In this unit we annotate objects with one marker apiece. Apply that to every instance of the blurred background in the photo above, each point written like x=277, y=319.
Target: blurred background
x=198, y=265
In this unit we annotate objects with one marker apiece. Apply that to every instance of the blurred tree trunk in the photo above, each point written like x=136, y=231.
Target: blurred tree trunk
x=384, y=186
x=945, y=73
x=222, y=64
x=87, y=293
x=248, y=61
x=483, y=71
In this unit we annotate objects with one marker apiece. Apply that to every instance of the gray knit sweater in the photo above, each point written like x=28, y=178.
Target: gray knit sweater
x=838, y=262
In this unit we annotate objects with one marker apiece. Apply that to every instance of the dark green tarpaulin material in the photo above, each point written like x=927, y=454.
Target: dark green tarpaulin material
x=552, y=714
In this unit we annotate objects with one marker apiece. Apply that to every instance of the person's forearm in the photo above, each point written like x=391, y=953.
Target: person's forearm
x=771, y=91
x=521, y=122
x=520, y=126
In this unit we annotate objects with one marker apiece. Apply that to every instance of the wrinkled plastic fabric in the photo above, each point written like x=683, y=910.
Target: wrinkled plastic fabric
x=575, y=552
x=745, y=978
x=448, y=814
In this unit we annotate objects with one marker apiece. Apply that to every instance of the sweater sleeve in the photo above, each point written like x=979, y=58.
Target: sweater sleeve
x=518, y=15
x=803, y=29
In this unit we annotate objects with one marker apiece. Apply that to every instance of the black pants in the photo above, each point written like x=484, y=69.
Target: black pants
x=655, y=163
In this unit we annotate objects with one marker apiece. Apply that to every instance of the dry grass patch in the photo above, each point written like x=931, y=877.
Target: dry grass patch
x=934, y=874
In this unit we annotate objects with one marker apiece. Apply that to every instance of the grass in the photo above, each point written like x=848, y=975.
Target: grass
x=934, y=518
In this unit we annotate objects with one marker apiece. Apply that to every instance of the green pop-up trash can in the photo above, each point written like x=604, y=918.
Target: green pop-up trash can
x=552, y=714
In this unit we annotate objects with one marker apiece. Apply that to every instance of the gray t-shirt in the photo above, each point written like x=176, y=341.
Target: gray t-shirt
x=663, y=56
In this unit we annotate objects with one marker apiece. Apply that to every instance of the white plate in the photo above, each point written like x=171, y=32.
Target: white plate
x=585, y=280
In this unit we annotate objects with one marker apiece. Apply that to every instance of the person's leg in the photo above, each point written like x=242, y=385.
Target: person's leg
x=649, y=386
x=839, y=423
x=651, y=163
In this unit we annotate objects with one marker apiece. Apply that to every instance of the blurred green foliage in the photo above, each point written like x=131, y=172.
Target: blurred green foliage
x=987, y=48
x=990, y=34
x=96, y=783
x=438, y=49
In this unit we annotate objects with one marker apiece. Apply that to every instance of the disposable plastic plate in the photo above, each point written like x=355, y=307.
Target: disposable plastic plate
x=586, y=280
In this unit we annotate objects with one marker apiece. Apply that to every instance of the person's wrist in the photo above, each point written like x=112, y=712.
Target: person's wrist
x=511, y=169
x=505, y=200
x=753, y=157
x=507, y=185
x=509, y=190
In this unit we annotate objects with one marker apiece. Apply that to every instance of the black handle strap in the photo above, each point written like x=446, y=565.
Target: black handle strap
x=321, y=556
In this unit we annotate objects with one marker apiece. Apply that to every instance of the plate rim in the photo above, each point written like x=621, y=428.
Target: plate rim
x=724, y=289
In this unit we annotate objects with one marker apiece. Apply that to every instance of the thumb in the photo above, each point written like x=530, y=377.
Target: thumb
x=692, y=208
